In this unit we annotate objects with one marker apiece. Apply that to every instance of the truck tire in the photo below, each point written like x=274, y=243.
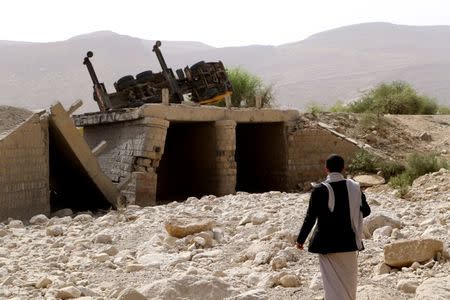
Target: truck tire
x=144, y=76
x=196, y=65
x=125, y=82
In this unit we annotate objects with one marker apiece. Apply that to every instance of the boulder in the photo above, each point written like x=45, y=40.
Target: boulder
x=43, y=282
x=63, y=213
x=382, y=233
x=111, y=250
x=404, y=253
x=133, y=268
x=261, y=258
x=68, y=292
x=182, y=227
x=188, y=287
x=434, y=289
x=369, y=180
x=407, y=285
x=278, y=262
x=55, y=230
x=259, y=218
x=380, y=219
x=131, y=294
x=39, y=220
x=290, y=280
x=15, y=224
x=83, y=218
x=103, y=238
x=381, y=268
x=258, y=294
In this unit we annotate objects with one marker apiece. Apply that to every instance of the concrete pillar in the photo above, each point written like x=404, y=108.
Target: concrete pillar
x=134, y=148
x=293, y=174
x=146, y=161
x=225, y=161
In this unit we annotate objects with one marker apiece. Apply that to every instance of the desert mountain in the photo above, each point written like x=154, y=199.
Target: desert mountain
x=333, y=65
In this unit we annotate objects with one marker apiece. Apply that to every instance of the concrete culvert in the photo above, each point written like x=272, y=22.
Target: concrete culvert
x=70, y=185
x=261, y=157
x=188, y=165
x=76, y=180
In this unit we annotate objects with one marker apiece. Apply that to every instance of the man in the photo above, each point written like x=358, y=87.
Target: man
x=339, y=206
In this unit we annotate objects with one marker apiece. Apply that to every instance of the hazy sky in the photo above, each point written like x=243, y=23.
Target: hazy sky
x=217, y=23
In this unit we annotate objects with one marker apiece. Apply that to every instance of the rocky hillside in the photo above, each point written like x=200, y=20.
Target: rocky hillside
x=329, y=66
x=395, y=136
x=233, y=247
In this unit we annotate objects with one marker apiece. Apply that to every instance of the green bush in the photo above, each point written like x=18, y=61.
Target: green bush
x=362, y=162
x=402, y=182
x=315, y=108
x=365, y=162
x=417, y=165
x=339, y=106
x=390, y=169
x=421, y=164
x=394, y=98
x=246, y=87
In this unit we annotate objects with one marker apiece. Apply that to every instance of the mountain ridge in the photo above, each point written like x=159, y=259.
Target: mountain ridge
x=333, y=65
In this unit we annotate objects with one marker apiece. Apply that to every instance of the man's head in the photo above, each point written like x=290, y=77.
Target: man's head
x=334, y=163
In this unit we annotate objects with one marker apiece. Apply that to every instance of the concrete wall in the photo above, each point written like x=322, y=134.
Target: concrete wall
x=134, y=149
x=308, y=149
x=24, y=170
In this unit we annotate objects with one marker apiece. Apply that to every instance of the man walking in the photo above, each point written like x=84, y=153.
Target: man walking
x=339, y=206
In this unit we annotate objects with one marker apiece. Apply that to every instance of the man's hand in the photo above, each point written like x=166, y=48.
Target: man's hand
x=299, y=246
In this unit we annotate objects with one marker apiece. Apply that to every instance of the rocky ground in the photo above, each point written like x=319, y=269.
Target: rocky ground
x=233, y=247
x=238, y=246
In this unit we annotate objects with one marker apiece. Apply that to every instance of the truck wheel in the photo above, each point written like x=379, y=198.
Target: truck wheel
x=144, y=76
x=125, y=82
x=196, y=65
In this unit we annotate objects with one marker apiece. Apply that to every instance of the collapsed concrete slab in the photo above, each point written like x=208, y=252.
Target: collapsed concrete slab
x=76, y=179
x=173, y=152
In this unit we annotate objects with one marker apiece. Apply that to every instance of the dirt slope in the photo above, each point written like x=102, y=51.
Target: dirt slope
x=395, y=135
x=11, y=117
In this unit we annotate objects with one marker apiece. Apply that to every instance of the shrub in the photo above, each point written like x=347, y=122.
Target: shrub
x=394, y=98
x=421, y=164
x=390, y=169
x=365, y=162
x=339, y=106
x=246, y=87
x=362, y=162
x=417, y=165
x=315, y=108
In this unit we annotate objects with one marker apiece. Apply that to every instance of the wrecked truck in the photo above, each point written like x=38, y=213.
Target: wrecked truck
x=203, y=83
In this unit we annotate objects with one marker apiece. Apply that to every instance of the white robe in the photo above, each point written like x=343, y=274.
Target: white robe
x=339, y=275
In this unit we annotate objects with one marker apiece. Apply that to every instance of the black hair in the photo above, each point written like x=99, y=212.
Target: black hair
x=335, y=163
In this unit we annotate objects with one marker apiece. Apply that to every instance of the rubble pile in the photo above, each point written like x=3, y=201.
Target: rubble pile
x=233, y=247
x=10, y=117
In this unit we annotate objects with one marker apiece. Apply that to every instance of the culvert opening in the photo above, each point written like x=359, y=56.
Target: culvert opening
x=261, y=157
x=70, y=185
x=188, y=164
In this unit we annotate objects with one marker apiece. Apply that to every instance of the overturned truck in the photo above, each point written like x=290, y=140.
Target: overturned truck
x=203, y=83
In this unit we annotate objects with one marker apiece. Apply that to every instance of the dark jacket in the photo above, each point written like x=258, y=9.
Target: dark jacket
x=333, y=232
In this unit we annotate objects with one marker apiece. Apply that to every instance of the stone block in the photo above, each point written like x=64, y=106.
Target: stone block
x=404, y=253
